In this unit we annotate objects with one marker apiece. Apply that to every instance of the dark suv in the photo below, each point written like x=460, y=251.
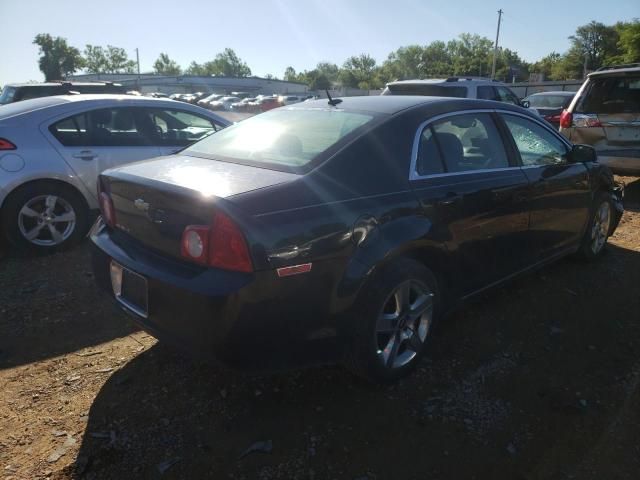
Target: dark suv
x=24, y=91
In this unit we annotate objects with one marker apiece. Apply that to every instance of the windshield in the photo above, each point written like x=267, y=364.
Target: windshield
x=425, y=89
x=283, y=139
x=7, y=95
x=549, y=101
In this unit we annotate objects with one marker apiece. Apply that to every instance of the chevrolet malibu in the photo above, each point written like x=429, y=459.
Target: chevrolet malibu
x=342, y=230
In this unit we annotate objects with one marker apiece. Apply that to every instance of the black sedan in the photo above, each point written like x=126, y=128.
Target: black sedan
x=343, y=230
x=550, y=104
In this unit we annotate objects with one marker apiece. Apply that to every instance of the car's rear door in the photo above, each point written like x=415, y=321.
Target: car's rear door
x=559, y=193
x=475, y=196
x=95, y=140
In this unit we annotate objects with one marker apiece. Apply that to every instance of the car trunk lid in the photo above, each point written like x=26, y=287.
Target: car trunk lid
x=155, y=200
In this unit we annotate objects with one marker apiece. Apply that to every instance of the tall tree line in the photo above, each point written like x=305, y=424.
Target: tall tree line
x=592, y=46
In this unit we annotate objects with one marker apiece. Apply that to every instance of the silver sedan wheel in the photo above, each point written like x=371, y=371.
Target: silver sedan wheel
x=46, y=220
x=404, y=323
x=600, y=228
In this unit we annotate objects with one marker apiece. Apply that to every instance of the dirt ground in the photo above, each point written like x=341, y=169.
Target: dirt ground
x=539, y=379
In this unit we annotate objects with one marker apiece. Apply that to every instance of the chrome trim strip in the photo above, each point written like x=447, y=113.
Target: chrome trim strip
x=413, y=174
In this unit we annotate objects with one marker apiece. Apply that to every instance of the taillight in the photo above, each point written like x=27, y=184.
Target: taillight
x=220, y=245
x=586, y=120
x=6, y=144
x=106, y=205
x=566, y=119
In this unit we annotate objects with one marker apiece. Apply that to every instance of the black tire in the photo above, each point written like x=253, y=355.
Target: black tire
x=594, y=243
x=67, y=199
x=366, y=357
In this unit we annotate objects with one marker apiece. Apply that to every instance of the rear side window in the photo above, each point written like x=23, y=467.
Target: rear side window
x=72, y=131
x=487, y=93
x=25, y=93
x=429, y=161
x=611, y=95
x=425, y=90
x=537, y=145
x=7, y=95
x=507, y=96
x=469, y=142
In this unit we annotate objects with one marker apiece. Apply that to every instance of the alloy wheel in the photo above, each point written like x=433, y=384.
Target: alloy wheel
x=600, y=228
x=46, y=220
x=404, y=323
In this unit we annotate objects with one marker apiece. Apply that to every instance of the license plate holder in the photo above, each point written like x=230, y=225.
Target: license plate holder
x=130, y=289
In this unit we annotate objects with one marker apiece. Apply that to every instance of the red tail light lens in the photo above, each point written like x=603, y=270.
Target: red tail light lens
x=6, y=144
x=222, y=245
x=566, y=119
x=106, y=205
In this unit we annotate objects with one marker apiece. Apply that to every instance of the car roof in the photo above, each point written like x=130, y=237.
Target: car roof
x=559, y=92
x=64, y=84
x=31, y=105
x=391, y=104
x=451, y=81
x=614, y=71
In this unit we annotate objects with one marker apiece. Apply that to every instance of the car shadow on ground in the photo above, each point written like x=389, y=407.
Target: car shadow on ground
x=632, y=195
x=49, y=306
x=526, y=382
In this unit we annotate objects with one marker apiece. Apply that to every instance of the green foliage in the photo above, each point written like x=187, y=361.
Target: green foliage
x=165, y=66
x=225, y=64
x=358, y=72
x=111, y=59
x=57, y=58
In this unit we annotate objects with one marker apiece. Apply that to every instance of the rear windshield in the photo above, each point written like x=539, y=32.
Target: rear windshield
x=283, y=139
x=549, y=101
x=425, y=90
x=611, y=95
x=7, y=95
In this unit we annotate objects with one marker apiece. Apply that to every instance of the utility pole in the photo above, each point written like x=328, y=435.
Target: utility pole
x=138, y=63
x=495, y=46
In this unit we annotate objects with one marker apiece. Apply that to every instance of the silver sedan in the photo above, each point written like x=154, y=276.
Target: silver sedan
x=52, y=150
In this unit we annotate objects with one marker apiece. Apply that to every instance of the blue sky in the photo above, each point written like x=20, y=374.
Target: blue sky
x=272, y=34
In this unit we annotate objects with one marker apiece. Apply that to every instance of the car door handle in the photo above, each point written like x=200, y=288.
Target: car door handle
x=450, y=199
x=85, y=155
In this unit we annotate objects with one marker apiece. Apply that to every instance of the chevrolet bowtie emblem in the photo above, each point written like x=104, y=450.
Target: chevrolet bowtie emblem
x=140, y=204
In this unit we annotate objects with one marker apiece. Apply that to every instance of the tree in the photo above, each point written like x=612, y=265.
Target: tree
x=95, y=59
x=110, y=60
x=57, y=58
x=165, y=66
x=118, y=61
x=290, y=74
x=629, y=41
x=225, y=64
x=546, y=64
x=358, y=72
x=595, y=42
x=228, y=64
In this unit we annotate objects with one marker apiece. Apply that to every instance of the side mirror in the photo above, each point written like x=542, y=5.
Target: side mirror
x=524, y=103
x=583, y=153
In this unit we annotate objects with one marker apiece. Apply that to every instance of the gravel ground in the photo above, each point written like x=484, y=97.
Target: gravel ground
x=539, y=379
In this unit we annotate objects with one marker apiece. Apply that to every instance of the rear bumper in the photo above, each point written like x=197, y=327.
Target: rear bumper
x=242, y=320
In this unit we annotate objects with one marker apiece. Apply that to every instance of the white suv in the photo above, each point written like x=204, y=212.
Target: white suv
x=460, y=87
x=52, y=150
